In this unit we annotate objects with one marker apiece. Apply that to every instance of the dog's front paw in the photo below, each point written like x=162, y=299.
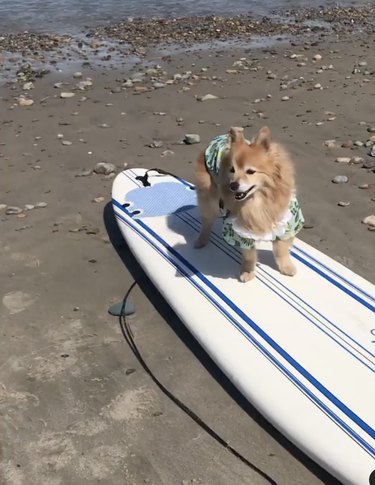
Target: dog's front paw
x=201, y=242
x=246, y=276
x=288, y=268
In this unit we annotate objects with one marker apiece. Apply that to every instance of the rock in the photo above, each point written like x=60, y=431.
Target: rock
x=98, y=199
x=66, y=143
x=156, y=144
x=369, y=164
x=28, y=86
x=285, y=98
x=347, y=144
x=58, y=85
x=159, y=85
x=340, y=179
x=372, y=138
x=207, y=97
x=369, y=220
x=358, y=143
x=29, y=207
x=104, y=125
x=191, y=139
x=167, y=153
x=343, y=203
x=319, y=123
x=343, y=160
x=82, y=85
x=141, y=89
x=104, y=168
x=13, y=210
x=271, y=75
x=369, y=143
x=77, y=75
x=40, y=205
x=371, y=129
x=179, y=120
x=84, y=173
x=318, y=86
x=317, y=57
x=2, y=207
x=363, y=186
x=60, y=136
x=118, y=89
x=372, y=153
x=357, y=160
x=362, y=63
x=64, y=95
x=330, y=143
x=25, y=102
x=128, y=84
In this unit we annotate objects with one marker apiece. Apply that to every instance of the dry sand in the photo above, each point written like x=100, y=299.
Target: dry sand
x=76, y=407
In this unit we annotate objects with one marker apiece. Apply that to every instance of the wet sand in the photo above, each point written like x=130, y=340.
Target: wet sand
x=76, y=405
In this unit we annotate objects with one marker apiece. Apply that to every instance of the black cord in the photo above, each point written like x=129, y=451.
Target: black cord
x=129, y=337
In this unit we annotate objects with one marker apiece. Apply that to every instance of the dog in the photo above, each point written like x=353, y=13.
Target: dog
x=254, y=184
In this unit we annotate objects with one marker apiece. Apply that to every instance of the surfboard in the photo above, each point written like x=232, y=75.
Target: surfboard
x=301, y=349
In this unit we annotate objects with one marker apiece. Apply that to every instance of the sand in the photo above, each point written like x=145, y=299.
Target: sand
x=76, y=405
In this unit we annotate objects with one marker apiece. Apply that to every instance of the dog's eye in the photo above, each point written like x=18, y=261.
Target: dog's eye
x=250, y=171
x=231, y=170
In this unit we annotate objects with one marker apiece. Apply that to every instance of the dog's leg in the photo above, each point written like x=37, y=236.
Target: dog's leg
x=281, y=252
x=209, y=208
x=248, y=264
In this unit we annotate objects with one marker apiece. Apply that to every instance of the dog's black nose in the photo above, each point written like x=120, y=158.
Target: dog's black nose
x=234, y=186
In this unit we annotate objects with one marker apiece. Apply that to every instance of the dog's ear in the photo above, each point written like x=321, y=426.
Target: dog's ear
x=263, y=138
x=236, y=134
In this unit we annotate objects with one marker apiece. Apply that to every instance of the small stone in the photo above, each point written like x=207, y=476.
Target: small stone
x=127, y=84
x=358, y=143
x=66, y=95
x=207, y=97
x=319, y=123
x=369, y=164
x=330, y=143
x=318, y=86
x=369, y=143
x=29, y=207
x=308, y=225
x=347, y=144
x=82, y=85
x=58, y=85
x=191, y=139
x=362, y=63
x=24, y=102
x=99, y=199
x=77, y=75
x=179, y=120
x=140, y=89
x=158, y=85
x=66, y=143
x=28, y=86
x=344, y=204
x=117, y=89
x=104, y=125
x=40, y=205
x=285, y=98
x=271, y=75
x=317, y=57
x=340, y=179
x=363, y=186
x=343, y=160
x=156, y=144
x=371, y=129
x=372, y=153
x=2, y=207
x=104, y=168
x=369, y=220
x=60, y=136
x=356, y=160
x=13, y=210
x=167, y=153
x=84, y=173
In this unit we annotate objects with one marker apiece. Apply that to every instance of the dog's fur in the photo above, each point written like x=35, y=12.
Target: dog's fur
x=261, y=177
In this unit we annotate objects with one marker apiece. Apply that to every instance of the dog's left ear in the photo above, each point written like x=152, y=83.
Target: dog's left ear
x=236, y=134
x=263, y=138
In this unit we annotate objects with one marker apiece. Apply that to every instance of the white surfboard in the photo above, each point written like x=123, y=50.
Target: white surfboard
x=301, y=349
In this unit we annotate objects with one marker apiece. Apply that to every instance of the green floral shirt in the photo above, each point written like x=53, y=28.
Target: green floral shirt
x=289, y=225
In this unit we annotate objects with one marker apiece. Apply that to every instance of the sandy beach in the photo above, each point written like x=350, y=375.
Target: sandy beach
x=76, y=406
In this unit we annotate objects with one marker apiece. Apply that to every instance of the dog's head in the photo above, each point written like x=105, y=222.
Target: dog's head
x=248, y=168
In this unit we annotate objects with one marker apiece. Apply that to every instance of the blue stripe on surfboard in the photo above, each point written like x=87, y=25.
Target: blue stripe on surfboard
x=278, y=293
x=296, y=365
x=229, y=249
x=314, y=268
x=236, y=256
x=328, y=412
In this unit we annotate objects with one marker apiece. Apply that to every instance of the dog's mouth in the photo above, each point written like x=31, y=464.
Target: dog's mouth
x=242, y=195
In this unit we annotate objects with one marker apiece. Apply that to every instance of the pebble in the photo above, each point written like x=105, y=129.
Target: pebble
x=156, y=144
x=13, y=210
x=98, y=199
x=104, y=168
x=372, y=153
x=82, y=85
x=317, y=57
x=371, y=129
x=64, y=95
x=340, y=179
x=271, y=75
x=117, y=89
x=369, y=220
x=319, y=123
x=357, y=160
x=347, y=144
x=358, y=143
x=159, y=85
x=191, y=139
x=369, y=164
x=127, y=84
x=372, y=138
x=344, y=203
x=29, y=207
x=318, y=86
x=25, y=102
x=77, y=75
x=104, y=125
x=343, y=160
x=2, y=207
x=40, y=205
x=141, y=89
x=363, y=186
x=285, y=98
x=60, y=136
x=207, y=97
x=28, y=86
x=330, y=143
x=66, y=143
x=167, y=153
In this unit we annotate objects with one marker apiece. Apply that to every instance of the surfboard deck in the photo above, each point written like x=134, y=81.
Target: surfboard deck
x=301, y=349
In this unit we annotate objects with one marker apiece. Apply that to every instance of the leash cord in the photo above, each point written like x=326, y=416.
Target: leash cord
x=129, y=337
